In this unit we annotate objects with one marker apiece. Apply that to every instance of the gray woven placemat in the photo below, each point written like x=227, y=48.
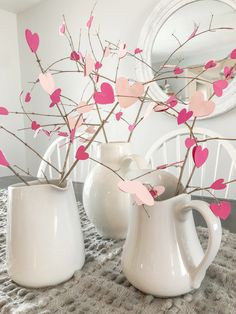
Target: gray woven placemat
x=100, y=286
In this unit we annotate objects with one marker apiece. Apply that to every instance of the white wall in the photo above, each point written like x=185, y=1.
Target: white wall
x=10, y=87
x=118, y=20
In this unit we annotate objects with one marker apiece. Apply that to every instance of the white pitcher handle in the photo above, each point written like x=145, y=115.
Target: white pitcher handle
x=214, y=232
x=127, y=161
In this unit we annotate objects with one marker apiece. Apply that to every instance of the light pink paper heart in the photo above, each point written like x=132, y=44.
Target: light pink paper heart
x=200, y=155
x=189, y=142
x=172, y=101
x=122, y=50
x=131, y=127
x=106, y=96
x=32, y=40
x=184, y=116
x=81, y=153
x=219, y=86
x=233, y=54
x=178, y=70
x=90, y=130
x=74, y=123
x=55, y=97
x=221, y=209
x=107, y=51
x=137, y=50
x=130, y=92
x=63, y=134
x=210, y=64
x=89, y=65
x=199, y=106
x=218, y=185
x=3, y=161
x=138, y=189
x=62, y=29
x=4, y=111
x=35, y=126
x=28, y=97
x=47, y=82
x=160, y=108
x=89, y=22
x=84, y=107
x=119, y=115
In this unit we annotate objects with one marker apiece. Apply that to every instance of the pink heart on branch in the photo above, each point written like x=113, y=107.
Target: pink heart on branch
x=55, y=97
x=81, y=153
x=128, y=94
x=3, y=161
x=218, y=185
x=35, y=126
x=210, y=64
x=75, y=56
x=4, y=111
x=178, y=70
x=28, y=97
x=219, y=86
x=221, y=209
x=47, y=82
x=233, y=54
x=90, y=21
x=200, y=155
x=137, y=50
x=199, y=106
x=106, y=96
x=189, y=142
x=119, y=115
x=184, y=116
x=32, y=40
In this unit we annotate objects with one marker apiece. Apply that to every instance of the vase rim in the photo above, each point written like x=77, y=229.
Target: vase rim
x=116, y=143
x=38, y=184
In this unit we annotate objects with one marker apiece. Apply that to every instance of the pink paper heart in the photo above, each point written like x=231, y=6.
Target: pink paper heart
x=122, y=50
x=184, y=116
x=47, y=82
x=98, y=65
x=89, y=65
x=131, y=127
x=90, y=130
x=3, y=161
x=221, y=209
x=137, y=50
x=62, y=29
x=4, y=111
x=160, y=108
x=119, y=115
x=130, y=93
x=218, y=185
x=84, y=107
x=75, y=56
x=228, y=72
x=199, y=106
x=89, y=22
x=74, y=122
x=32, y=40
x=219, y=86
x=178, y=70
x=35, y=126
x=172, y=101
x=107, y=51
x=193, y=34
x=210, y=64
x=138, y=189
x=81, y=153
x=233, y=54
x=55, y=97
x=157, y=190
x=200, y=155
x=189, y=142
x=106, y=96
x=63, y=134
x=28, y=97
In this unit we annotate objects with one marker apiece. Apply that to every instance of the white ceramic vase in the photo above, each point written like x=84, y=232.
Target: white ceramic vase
x=162, y=254
x=106, y=206
x=44, y=238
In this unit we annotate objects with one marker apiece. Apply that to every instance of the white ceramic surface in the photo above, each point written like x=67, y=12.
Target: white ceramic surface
x=44, y=238
x=106, y=206
x=162, y=254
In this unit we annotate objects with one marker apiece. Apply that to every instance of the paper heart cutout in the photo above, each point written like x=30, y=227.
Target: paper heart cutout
x=221, y=209
x=90, y=130
x=210, y=64
x=131, y=127
x=75, y=122
x=98, y=65
x=81, y=153
x=28, y=97
x=75, y=56
x=55, y=97
x=32, y=40
x=199, y=106
x=3, y=161
x=119, y=115
x=106, y=96
x=84, y=107
x=193, y=34
x=219, y=86
x=62, y=29
x=124, y=89
x=157, y=191
x=137, y=189
x=122, y=50
x=228, y=72
x=160, y=108
x=200, y=155
x=218, y=185
x=89, y=22
x=178, y=70
x=89, y=65
x=35, y=126
x=63, y=134
x=137, y=50
x=4, y=111
x=233, y=54
x=172, y=101
x=184, y=116
x=189, y=142
x=47, y=82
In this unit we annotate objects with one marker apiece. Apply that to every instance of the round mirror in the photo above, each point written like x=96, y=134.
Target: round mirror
x=179, y=39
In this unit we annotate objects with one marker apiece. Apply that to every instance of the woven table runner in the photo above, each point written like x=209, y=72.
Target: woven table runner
x=100, y=287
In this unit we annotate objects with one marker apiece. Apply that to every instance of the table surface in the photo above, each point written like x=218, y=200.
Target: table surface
x=100, y=287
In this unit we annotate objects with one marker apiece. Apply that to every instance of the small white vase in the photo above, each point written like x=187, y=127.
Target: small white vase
x=162, y=254
x=106, y=206
x=44, y=238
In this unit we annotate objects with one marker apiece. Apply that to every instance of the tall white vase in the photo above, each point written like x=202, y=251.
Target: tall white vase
x=106, y=206
x=44, y=238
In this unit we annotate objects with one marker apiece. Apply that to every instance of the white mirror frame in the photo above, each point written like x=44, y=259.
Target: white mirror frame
x=153, y=24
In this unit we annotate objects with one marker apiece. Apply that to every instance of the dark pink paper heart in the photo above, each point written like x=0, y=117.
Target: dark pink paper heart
x=75, y=56
x=233, y=54
x=106, y=96
x=219, y=86
x=81, y=153
x=27, y=97
x=189, y=142
x=210, y=64
x=200, y=155
x=137, y=50
x=218, y=185
x=32, y=40
x=119, y=115
x=35, y=126
x=4, y=111
x=55, y=97
x=3, y=161
x=178, y=70
x=184, y=116
x=221, y=209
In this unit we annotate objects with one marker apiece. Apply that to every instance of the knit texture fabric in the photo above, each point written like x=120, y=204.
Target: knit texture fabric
x=100, y=287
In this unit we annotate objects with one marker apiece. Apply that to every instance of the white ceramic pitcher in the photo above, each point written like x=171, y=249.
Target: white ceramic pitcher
x=106, y=206
x=162, y=254
x=44, y=238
